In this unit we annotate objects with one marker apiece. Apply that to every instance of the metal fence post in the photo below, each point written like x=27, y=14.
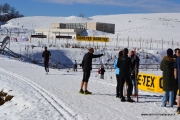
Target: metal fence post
x=128, y=41
x=150, y=43
x=140, y=42
x=162, y=44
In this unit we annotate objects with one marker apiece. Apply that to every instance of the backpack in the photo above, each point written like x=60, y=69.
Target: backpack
x=99, y=71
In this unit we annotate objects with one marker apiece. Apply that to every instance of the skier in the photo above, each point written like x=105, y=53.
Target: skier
x=177, y=77
x=87, y=67
x=135, y=63
x=117, y=75
x=102, y=71
x=167, y=66
x=46, y=55
x=124, y=63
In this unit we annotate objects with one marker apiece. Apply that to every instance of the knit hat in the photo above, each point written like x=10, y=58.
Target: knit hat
x=169, y=52
x=125, y=51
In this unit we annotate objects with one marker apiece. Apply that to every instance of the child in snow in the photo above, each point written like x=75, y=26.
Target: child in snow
x=102, y=71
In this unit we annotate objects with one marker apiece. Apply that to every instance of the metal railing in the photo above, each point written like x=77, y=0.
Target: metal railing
x=154, y=67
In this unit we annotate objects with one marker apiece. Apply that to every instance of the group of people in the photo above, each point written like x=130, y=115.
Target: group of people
x=170, y=65
x=127, y=66
x=126, y=70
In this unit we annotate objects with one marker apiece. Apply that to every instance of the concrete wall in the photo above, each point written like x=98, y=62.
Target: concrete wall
x=52, y=33
x=55, y=25
x=104, y=27
x=58, y=26
x=91, y=25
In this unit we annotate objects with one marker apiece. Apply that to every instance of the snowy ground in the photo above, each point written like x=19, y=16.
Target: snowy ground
x=55, y=96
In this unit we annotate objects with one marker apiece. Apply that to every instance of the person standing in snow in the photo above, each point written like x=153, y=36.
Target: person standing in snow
x=87, y=67
x=135, y=66
x=177, y=77
x=167, y=66
x=75, y=66
x=102, y=71
x=46, y=56
x=177, y=50
x=117, y=75
x=125, y=65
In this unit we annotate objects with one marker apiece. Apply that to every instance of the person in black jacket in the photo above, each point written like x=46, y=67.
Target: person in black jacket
x=125, y=65
x=87, y=67
x=177, y=50
x=46, y=55
x=102, y=71
x=135, y=67
x=169, y=84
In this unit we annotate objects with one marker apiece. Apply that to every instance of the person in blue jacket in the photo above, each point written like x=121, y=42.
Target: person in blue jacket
x=117, y=75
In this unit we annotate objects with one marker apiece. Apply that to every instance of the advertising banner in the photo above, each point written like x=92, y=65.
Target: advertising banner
x=92, y=39
x=150, y=82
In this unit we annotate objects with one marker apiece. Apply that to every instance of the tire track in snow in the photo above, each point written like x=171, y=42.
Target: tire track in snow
x=56, y=104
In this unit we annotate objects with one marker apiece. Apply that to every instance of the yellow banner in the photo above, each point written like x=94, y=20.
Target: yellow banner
x=92, y=39
x=150, y=82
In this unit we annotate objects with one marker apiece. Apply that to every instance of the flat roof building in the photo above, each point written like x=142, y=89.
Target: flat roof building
x=71, y=30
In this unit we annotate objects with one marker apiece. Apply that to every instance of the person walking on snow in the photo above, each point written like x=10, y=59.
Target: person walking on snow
x=102, y=71
x=87, y=67
x=46, y=56
x=117, y=75
x=167, y=66
x=177, y=77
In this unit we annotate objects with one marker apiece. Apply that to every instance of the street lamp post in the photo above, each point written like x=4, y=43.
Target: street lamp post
x=117, y=39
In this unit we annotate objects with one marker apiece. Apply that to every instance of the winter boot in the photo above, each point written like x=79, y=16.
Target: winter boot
x=123, y=99
x=130, y=100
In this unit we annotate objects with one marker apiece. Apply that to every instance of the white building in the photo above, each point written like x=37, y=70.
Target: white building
x=71, y=30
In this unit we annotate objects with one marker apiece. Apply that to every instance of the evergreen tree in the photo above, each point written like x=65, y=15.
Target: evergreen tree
x=7, y=12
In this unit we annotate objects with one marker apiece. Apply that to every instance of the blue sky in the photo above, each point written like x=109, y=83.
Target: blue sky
x=92, y=7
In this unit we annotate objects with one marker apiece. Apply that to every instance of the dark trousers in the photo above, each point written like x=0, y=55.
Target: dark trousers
x=128, y=81
x=75, y=69
x=175, y=92
x=118, y=86
x=46, y=65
